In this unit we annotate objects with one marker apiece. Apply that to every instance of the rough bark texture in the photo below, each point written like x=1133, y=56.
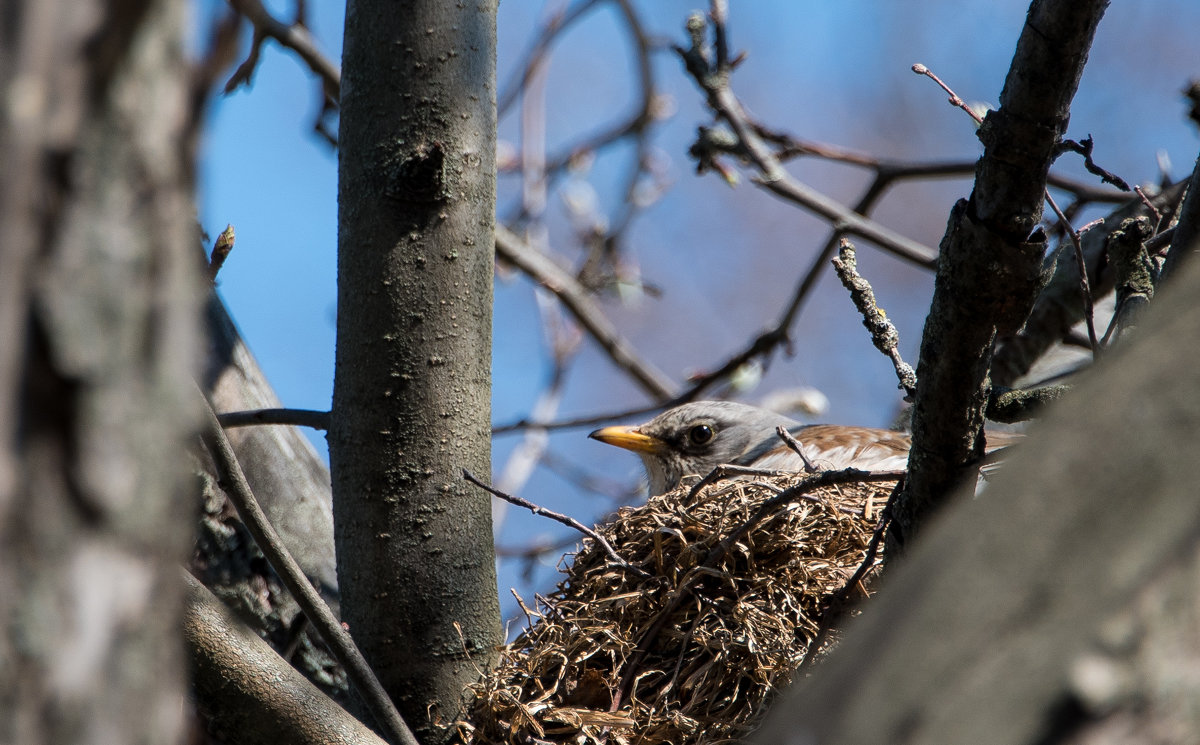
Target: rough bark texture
x=99, y=303
x=287, y=475
x=1060, y=306
x=249, y=694
x=1187, y=233
x=990, y=267
x=412, y=381
x=1063, y=605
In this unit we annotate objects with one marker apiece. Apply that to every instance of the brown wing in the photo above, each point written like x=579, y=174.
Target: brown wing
x=835, y=446
x=856, y=447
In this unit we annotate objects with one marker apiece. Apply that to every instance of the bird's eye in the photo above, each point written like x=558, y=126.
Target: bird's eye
x=701, y=434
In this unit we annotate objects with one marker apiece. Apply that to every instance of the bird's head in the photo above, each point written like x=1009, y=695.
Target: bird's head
x=695, y=438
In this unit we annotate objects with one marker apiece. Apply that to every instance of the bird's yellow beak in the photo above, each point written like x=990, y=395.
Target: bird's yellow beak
x=630, y=439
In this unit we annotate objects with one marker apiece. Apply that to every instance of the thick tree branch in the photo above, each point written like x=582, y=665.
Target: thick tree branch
x=990, y=267
x=1187, y=233
x=244, y=687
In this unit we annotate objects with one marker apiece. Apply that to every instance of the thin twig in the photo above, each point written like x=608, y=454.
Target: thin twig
x=233, y=480
x=1085, y=148
x=955, y=100
x=295, y=417
x=795, y=447
x=1084, y=288
x=590, y=420
x=570, y=522
x=884, y=335
x=294, y=36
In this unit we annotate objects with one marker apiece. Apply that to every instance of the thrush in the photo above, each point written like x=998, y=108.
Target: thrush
x=695, y=438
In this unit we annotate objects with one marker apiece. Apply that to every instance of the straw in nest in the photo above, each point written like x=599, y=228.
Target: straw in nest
x=725, y=590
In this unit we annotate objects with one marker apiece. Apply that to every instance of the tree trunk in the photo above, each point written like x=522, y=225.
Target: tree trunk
x=1061, y=606
x=99, y=308
x=412, y=380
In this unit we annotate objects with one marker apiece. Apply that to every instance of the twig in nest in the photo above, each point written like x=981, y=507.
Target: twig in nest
x=833, y=610
x=884, y=335
x=570, y=522
x=728, y=470
x=800, y=491
x=796, y=447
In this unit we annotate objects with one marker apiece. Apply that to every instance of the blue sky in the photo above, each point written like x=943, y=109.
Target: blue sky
x=726, y=259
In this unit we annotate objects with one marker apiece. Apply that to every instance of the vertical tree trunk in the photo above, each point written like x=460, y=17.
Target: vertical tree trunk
x=412, y=382
x=99, y=307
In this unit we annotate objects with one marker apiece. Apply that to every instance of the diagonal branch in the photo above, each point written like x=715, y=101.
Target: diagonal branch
x=293, y=36
x=990, y=269
x=712, y=75
x=585, y=310
x=338, y=639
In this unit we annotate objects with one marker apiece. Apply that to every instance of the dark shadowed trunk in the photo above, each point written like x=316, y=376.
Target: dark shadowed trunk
x=1060, y=607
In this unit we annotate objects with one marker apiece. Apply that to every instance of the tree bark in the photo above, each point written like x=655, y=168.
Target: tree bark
x=1061, y=606
x=248, y=692
x=412, y=379
x=990, y=266
x=99, y=309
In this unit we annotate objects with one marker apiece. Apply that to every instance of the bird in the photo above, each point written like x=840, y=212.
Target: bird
x=694, y=438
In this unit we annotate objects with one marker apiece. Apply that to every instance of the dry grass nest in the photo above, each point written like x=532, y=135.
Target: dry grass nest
x=723, y=595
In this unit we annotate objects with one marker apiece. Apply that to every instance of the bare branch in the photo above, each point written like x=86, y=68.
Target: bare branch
x=585, y=310
x=1085, y=291
x=558, y=517
x=296, y=417
x=294, y=36
x=1059, y=307
x=714, y=81
x=991, y=266
x=231, y=665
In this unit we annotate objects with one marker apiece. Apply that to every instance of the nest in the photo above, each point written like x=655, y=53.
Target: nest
x=731, y=590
